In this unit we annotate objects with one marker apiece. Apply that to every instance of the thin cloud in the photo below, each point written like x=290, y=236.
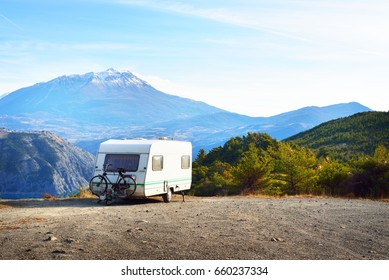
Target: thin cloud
x=23, y=46
x=11, y=22
x=224, y=15
x=322, y=24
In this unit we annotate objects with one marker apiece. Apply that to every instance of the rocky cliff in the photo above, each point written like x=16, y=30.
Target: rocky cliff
x=36, y=163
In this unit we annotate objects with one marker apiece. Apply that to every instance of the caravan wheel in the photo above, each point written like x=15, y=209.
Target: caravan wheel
x=167, y=197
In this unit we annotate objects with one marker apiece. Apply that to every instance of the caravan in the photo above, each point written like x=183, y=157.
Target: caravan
x=142, y=168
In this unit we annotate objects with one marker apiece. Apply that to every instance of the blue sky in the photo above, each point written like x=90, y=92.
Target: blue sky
x=257, y=58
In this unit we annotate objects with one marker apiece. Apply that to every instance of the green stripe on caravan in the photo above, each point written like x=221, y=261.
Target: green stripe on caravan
x=168, y=181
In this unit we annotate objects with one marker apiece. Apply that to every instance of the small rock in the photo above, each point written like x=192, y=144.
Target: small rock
x=69, y=240
x=277, y=239
x=141, y=221
x=51, y=238
x=58, y=252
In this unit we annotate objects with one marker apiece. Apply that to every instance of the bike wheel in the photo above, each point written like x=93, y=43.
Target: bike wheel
x=127, y=185
x=98, y=185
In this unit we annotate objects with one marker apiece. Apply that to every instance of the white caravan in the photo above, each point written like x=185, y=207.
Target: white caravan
x=142, y=168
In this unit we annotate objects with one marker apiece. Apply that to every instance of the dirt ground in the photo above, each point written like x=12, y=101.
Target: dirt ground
x=218, y=228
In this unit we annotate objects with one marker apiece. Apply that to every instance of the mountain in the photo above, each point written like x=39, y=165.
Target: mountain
x=35, y=163
x=284, y=125
x=87, y=109
x=208, y=131
x=105, y=97
x=348, y=136
x=94, y=105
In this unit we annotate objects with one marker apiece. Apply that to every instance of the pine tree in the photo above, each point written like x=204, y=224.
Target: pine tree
x=252, y=173
x=295, y=167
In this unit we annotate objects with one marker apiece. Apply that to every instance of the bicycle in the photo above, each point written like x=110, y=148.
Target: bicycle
x=125, y=186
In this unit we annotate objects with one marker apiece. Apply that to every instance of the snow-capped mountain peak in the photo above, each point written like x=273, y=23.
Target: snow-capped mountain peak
x=114, y=78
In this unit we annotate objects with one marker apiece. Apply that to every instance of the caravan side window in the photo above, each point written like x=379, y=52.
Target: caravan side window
x=128, y=162
x=157, y=163
x=185, y=162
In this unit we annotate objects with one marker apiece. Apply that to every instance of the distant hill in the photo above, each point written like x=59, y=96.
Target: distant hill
x=32, y=164
x=348, y=136
x=89, y=108
x=290, y=123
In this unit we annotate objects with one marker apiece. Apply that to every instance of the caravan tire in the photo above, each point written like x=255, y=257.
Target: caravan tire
x=167, y=197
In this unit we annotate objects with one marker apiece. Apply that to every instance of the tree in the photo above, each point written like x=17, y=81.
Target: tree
x=222, y=179
x=201, y=156
x=371, y=174
x=332, y=177
x=381, y=155
x=252, y=173
x=295, y=167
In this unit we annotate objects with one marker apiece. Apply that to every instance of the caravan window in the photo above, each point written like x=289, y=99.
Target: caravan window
x=185, y=162
x=113, y=162
x=157, y=163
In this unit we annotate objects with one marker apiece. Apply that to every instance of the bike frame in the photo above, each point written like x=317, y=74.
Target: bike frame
x=120, y=176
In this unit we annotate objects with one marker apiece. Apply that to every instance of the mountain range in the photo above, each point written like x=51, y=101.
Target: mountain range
x=36, y=163
x=89, y=108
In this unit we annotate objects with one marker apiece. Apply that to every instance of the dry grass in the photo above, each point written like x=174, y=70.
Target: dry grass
x=306, y=196
x=24, y=221
x=31, y=220
x=48, y=196
x=83, y=193
x=7, y=227
x=2, y=206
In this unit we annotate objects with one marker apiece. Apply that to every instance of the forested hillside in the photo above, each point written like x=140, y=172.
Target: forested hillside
x=347, y=137
x=346, y=157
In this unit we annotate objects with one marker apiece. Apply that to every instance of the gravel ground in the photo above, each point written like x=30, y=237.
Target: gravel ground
x=220, y=228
